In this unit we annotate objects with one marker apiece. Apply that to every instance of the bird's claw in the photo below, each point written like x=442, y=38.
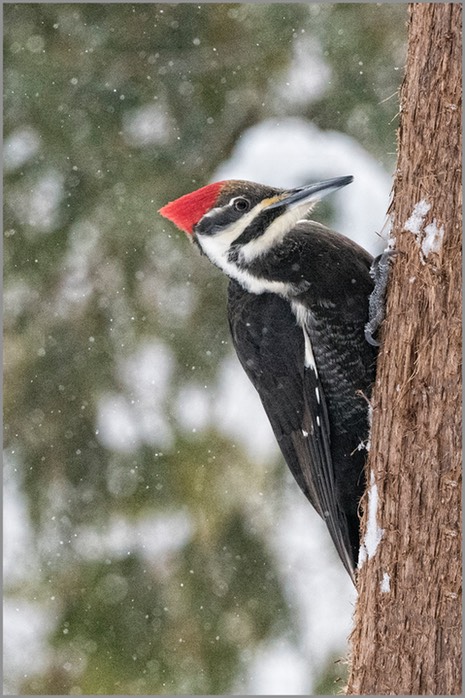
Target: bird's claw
x=376, y=304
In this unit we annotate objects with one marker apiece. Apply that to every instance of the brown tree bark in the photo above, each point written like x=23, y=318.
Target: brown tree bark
x=407, y=634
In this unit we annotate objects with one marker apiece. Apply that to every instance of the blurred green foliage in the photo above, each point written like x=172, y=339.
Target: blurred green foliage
x=92, y=275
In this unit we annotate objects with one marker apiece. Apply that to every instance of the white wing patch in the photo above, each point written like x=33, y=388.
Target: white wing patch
x=309, y=356
x=301, y=313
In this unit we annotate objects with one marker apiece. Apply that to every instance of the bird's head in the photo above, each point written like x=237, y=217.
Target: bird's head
x=235, y=215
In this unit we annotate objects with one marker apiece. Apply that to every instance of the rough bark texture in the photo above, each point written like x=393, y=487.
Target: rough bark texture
x=407, y=634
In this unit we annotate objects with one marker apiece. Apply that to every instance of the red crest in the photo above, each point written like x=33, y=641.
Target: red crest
x=186, y=211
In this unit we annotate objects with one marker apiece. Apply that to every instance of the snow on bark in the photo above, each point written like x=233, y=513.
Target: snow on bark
x=429, y=237
x=373, y=533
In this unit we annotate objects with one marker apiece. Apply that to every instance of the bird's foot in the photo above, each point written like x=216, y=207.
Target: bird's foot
x=377, y=302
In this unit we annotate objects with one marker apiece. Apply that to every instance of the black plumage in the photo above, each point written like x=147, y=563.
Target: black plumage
x=326, y=456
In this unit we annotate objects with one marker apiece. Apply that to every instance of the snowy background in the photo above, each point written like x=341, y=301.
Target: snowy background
x=145, y=499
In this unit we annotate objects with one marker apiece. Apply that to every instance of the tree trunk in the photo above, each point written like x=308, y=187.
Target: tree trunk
x=407, y=634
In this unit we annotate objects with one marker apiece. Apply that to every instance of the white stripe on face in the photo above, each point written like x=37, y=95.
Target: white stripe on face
x=217, y=246
x=274, y=234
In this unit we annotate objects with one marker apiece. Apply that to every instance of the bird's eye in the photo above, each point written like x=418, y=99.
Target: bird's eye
x=241, y=205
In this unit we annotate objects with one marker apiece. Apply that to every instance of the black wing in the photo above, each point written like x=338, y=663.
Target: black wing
x=271, y=348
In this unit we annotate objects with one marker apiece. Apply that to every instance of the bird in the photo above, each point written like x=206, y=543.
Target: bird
x=298, y=308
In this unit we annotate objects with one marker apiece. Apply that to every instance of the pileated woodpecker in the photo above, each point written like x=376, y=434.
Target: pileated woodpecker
x=298, y=305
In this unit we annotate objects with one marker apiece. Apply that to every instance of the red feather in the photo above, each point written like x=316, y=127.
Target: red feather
x=186, y=211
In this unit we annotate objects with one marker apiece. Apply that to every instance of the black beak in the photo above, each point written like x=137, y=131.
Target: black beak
x=310, y=193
